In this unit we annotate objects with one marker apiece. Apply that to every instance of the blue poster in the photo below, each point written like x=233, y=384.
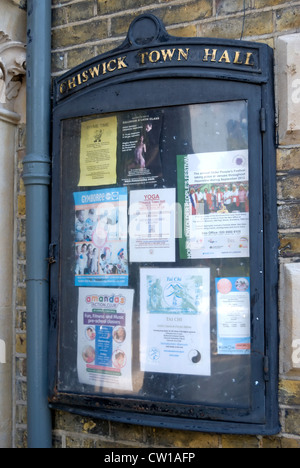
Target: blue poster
x=100, y=226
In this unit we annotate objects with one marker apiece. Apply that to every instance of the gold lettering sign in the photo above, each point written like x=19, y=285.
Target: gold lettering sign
x=92, y=73
x=163, y=55
x=217, y=56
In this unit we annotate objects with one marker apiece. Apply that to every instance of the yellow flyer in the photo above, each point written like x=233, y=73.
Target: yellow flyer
x=98, y=152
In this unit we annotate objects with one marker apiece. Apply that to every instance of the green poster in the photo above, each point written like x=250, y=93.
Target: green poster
x=183, y=200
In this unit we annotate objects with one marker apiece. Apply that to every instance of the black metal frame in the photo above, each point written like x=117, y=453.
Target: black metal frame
x=236, y=76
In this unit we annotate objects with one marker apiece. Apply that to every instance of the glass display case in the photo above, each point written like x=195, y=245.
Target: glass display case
x=162, y=287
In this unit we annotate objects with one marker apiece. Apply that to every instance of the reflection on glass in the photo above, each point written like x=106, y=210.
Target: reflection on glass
x=220, y=126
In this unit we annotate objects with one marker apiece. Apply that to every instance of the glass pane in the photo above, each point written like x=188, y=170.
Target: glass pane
x=155, y=290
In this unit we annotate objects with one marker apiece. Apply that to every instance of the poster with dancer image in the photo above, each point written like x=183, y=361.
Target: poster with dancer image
x=140, y=147
x=175, y=321
x=104, y=338
x=213, y=190
x=100, y=254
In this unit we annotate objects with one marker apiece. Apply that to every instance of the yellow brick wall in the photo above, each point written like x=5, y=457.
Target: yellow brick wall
x=83, y=29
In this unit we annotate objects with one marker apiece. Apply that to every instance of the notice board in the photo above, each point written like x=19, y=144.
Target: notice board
x=162, y=272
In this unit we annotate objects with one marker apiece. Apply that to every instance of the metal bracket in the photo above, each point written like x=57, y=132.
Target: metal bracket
x=263, y=127
x=51, y=259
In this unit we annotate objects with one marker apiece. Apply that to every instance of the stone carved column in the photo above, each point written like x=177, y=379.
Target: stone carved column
x=12, y=70
x=12, y=78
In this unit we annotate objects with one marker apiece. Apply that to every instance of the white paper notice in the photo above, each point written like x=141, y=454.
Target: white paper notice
x=104, y=338
x=175, y=321
x=152, y=225
x=233, y=315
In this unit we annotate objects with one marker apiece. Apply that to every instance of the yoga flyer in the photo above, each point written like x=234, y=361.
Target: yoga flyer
x=152, y=225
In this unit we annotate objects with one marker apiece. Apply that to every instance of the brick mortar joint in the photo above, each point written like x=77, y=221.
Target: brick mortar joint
x=88, y=44
x=289, y=407
x=118, y=40
x=213, y=18
x=96, y=438
x=101, y=438
x=285, y=435
x=105, y=16
x=288, y=378
x=170, y=3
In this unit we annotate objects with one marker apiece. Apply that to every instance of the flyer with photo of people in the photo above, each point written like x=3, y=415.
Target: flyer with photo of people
x=213, y=190
x=104, y=338
x=101, y=237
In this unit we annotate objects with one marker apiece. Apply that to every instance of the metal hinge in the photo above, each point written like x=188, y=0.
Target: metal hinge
x=262, y=119
x=52, y=259
x=266, y=369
